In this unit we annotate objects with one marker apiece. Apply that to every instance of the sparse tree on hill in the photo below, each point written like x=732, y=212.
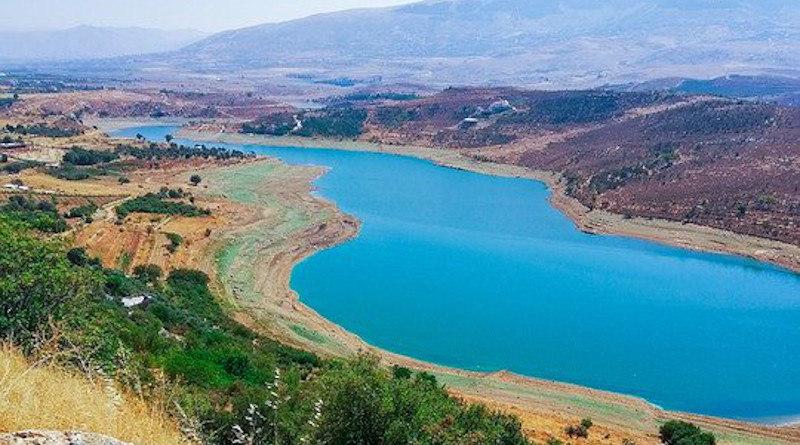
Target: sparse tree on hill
x=195, y=180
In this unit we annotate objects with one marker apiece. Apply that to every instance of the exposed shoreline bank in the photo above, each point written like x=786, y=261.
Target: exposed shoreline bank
x=263, y=290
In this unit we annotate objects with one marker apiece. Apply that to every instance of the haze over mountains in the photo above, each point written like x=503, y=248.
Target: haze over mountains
x=91, y=42
x=524, y=42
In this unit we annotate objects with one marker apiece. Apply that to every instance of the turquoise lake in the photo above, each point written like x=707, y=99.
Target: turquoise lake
x=481, y=273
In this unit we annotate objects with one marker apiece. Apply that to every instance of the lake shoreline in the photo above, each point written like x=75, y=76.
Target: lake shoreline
x=537, y=401
x=687, y=236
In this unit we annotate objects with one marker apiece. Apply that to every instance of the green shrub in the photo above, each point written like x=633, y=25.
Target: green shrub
x=677, y=432
x=84, y=157
x=84, y=211
x=150, y=273
x=151, y=203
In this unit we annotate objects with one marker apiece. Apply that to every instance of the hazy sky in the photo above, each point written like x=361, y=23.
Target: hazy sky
x=207, y=15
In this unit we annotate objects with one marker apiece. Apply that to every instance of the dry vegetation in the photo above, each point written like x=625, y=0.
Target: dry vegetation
x=45, y=397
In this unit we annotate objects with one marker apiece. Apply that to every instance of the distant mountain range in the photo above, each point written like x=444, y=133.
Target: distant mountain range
x=89, y=42
x=536, y=43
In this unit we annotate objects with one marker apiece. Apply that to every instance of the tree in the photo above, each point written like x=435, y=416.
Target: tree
x=195, y=180
x=677, y=432
x=169, y=138
x=149, y=273
x=581, y=430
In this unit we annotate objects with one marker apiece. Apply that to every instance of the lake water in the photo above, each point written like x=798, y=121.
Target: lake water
x=481, y=273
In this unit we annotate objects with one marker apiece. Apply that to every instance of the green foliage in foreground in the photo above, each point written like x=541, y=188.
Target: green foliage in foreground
x=239, y=386
x=151, y=203
x=36, y=280
x=40, y=215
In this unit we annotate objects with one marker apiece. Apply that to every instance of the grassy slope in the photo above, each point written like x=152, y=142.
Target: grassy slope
x=48, y=398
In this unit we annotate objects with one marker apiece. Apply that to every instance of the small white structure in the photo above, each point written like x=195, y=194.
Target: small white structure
x=135, y=301
x=15, y=187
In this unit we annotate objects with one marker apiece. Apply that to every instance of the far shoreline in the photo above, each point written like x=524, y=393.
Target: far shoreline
x=687, y=236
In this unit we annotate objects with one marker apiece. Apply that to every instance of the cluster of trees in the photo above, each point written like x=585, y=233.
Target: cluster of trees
x=394, y=117
x=174, y=151
x=41, y=215
x=16, y=167
x=85, y=157
x=714, y=117
x=278, y=124
x=43, y=130
x=579, y=109
x=155, y=203
x=235, y=385
x=85, y=212
x=381, y=96
x=6, y=102
x=334, y=122
x=69, y=172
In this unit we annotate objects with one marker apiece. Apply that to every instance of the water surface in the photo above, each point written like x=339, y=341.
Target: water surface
x=481, y=273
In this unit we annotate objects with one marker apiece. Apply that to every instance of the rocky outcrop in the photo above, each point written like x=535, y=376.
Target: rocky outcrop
x=57, y=438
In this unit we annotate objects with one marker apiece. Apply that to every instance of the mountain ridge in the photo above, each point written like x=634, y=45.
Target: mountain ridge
x=568, y=43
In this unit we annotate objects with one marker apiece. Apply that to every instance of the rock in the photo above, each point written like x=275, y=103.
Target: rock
x=57, y=438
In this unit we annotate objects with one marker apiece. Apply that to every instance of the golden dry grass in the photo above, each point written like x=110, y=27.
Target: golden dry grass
x=48, y=398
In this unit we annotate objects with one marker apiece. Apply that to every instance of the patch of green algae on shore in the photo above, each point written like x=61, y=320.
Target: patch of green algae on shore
x=309, y=334
x=592, y=407
x=260, y=184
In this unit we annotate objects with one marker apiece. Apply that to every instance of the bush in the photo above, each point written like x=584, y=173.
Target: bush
x=150, y=273
x=84, y=211
x=151, y=203
x=175, y=241
x=677, y=432
x=16, y=167
x=195, y=180
x=69, y=173
x=580, y=430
